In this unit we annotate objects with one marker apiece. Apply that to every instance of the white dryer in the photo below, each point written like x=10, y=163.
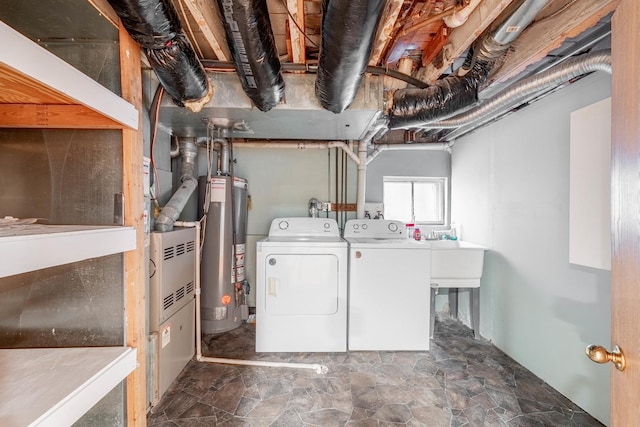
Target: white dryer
x=389, y=289
x=301, y=295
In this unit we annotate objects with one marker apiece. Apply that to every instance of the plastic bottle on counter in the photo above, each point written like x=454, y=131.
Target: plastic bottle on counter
x=410, y=229
x=416, y=234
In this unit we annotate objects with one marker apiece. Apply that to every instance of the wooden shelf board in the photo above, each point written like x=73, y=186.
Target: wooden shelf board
x=29, y=74
x=25, y=248
x=56, y=386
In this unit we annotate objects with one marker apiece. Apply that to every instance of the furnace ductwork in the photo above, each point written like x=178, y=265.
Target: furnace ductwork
x=155, y=26
x=172, y=210
x=527, y=88
x=253, y=47
x=416, y=107
x=348, y=29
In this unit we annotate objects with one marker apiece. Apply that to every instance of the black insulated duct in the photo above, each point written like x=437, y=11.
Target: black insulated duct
x=415, y=107
x=348, y=29
x=253, y=48
x=154, y=25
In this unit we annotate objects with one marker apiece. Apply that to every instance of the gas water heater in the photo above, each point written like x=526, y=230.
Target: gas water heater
x=223, y=284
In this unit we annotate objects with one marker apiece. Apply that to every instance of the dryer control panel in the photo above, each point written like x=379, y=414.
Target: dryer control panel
x=375, y=229
x=304, y=227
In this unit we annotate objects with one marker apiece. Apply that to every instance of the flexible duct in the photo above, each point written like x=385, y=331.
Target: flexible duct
x=172, y=210
x=596, y=61
x=348, y=29
x=415, y=107
x=253, y=48
x=154, y=25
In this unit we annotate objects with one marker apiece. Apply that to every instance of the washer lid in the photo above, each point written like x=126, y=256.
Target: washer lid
x=304, y=227
x=375, y=228
x=302, y=241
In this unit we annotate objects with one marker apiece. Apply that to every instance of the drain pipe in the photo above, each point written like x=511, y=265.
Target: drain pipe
x=302, y=146
x=427, y=146
x=172, y=210
x=362, y=178
x=320, y=369
x=526, y=88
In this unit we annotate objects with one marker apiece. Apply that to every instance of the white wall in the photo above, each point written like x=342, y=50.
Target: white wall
x=510, y=192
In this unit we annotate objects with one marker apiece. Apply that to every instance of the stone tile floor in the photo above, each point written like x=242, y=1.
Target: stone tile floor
x=459, y=382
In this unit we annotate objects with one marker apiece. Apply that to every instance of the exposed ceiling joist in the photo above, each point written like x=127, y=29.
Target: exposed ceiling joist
x=298, y=50
x=105, y=9
x=206, y=15
x=548, y=34
x=386, y=30
x=462, y=37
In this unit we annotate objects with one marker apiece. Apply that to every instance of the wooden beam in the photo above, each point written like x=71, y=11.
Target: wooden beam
x=104, y=8
x=543, y=36
x=53, y=117
x=385, y=30
x=298, y=45
x=206, y=14
x=462, y=37
x=433, y=49
x=134, y=281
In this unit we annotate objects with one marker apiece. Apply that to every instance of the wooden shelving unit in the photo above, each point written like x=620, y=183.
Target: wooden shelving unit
x=57, y=386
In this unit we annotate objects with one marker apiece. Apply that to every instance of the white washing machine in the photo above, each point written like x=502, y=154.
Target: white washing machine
x=301, y=295
x=389, y=287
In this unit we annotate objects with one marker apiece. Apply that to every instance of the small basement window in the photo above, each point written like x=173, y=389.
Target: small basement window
x=416, y=200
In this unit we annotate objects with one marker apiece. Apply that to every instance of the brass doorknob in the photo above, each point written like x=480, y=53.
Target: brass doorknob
x=600, y=354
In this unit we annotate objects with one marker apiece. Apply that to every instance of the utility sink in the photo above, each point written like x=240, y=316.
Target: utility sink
x=456, y=264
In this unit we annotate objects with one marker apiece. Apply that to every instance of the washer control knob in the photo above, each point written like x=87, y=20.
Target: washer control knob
x=283, y=225
x=356, y=226
x=393, y=227
x=327, y=225
x=365, y=226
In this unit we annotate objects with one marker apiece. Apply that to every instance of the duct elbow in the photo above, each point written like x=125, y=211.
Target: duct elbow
x=170, y=213
x=461, y=16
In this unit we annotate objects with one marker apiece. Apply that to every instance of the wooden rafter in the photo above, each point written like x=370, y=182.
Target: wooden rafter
x=462, y=37
x=105, y=9
x=206, y=15
x=548, y=34
x=386, y=30
x=298, y=46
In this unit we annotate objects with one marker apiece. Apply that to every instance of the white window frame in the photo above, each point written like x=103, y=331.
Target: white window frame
x=442, y=185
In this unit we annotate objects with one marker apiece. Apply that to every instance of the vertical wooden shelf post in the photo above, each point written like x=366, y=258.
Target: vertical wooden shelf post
x=131, y=82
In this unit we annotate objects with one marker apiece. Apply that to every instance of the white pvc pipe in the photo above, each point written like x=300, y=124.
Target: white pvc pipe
x=320, y=369
x=301, y=146
x=426, y=146
x=362, y=178
x=461, y=16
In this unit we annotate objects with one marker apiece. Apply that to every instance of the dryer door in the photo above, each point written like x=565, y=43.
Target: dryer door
x=301, y=284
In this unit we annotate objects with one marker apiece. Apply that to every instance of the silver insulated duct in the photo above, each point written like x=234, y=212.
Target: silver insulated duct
x=414, y=107
x=172, y=210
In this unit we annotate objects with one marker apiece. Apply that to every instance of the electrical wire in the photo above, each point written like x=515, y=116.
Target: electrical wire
x=284, y=3
x=155, y=107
